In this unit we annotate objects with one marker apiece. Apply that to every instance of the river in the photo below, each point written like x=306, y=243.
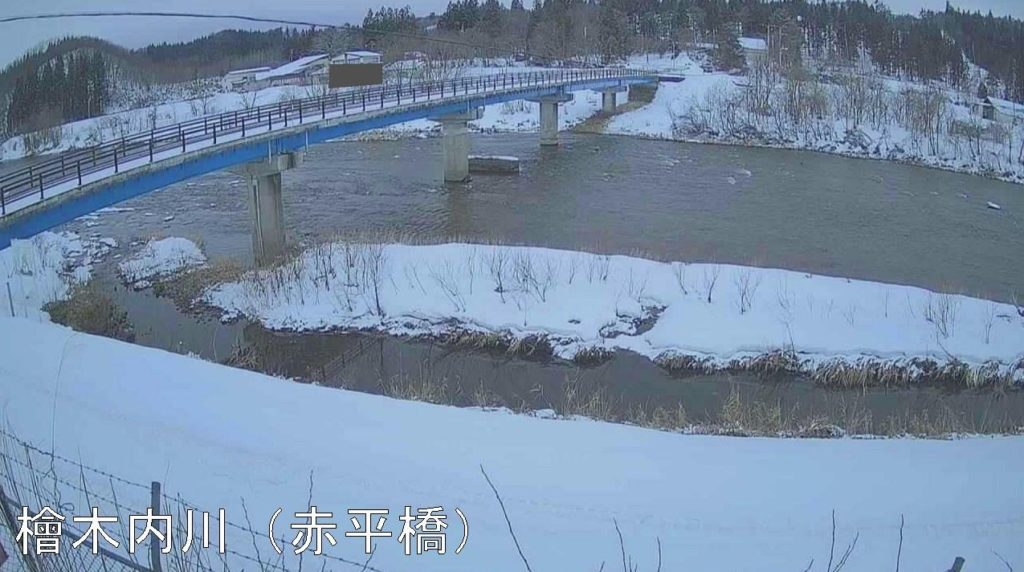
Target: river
x=803, y=211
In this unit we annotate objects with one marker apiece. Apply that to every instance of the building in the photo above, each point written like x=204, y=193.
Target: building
x=984, y=109
x=357, y=57
x=303, y=71
x=1005, y=111
x=754, y=49
x=237, y=79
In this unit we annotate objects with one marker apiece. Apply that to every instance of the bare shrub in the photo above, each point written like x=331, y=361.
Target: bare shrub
x=709, y=279
x=747, y=282
x=447, y=278
x=679, y=271
x=498, y=267
x=374, y=268
x=941, y=310
x=989, y=318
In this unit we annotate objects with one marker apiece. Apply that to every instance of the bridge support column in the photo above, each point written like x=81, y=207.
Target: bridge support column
x=609, y=96
x=549, y=117
x=266, y=205
x=455, y=141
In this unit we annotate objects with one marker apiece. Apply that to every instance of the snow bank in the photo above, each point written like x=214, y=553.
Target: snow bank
x=582, y=300
x=216, y=435
x=159, y=259
x=43, y=269
x=710, y=108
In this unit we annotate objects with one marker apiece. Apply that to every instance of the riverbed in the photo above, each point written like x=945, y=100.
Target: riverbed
x=795, y=210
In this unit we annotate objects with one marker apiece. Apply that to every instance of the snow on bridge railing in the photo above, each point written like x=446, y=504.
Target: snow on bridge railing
x=72, y=169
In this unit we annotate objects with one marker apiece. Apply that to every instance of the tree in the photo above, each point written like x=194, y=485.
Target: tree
x=613, y=31
x=492, y=18
x=728, y=54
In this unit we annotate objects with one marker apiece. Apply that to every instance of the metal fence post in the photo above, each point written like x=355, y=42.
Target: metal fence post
x=154, y=542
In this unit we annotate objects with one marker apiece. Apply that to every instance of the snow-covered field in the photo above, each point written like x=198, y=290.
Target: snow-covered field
x=869, y=116
x=217, y=435
x=160, y=258
x=705, y=107
x=717, y=313
x=126, y=122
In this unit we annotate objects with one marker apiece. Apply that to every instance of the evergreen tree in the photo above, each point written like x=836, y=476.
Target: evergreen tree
x=728, y=54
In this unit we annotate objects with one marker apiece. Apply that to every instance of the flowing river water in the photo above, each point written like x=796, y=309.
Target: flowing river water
x=803, y=211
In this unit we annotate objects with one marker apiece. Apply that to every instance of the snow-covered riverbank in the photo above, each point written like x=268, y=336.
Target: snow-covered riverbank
x=685, y=316
x=217, y=435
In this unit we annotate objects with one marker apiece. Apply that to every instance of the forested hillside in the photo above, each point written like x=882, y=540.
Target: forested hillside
x=81, y=77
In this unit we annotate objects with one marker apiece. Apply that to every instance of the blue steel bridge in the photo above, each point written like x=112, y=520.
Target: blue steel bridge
x=263, y=141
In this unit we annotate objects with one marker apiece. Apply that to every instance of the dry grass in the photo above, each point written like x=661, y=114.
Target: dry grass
x=187, y=288
x=88, y=310
x=535, y=346
x=592, y=356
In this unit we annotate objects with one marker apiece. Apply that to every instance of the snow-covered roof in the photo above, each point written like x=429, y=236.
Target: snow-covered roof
x=291, y=68
x=248, y=70
x=404, y=65
x=363, y=54
x=1007, y=106
x=753, y=44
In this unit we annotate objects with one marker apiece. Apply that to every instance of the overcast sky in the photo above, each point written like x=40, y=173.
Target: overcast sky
x=16, y=38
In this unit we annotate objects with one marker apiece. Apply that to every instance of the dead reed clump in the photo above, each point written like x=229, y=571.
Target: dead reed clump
x=425, y=388
x=659, y=417
x=741, y=417
x=537, y=346
x=474, y=340
x=942, y=423
x=592, y=356
x=775, y=362
x=87, y=309
x=245, y=357
x=186, y=289
x=842, y=374
x=681, y=364
x=484, y=398
x=580, y=400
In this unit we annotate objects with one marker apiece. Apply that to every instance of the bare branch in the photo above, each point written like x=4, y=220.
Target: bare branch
x=507, y=521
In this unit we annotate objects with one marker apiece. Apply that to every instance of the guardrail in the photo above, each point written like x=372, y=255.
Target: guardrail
x=151, y=145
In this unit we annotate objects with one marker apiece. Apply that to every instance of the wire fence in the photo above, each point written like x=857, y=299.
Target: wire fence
x=48, y=500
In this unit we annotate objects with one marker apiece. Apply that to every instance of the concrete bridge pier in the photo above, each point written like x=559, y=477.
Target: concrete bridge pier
x=549, y=116
x=455, y=141
x=609, y=96
x=266, y=206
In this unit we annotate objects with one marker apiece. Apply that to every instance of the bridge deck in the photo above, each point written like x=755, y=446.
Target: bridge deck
x=75, y=183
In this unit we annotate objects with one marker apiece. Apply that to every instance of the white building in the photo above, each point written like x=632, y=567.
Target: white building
x=357, y=57
x=1008, y=112
x=754, y=49
x=237, y=79
x=305, y=70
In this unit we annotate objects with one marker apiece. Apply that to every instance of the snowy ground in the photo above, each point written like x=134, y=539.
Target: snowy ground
x=709, y=107
x=581, y=300
x=42, y=269
x=216, y=435
x=126, y=122
x=160, y=258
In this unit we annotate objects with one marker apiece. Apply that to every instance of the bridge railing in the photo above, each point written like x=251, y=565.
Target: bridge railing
x=72, y=168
